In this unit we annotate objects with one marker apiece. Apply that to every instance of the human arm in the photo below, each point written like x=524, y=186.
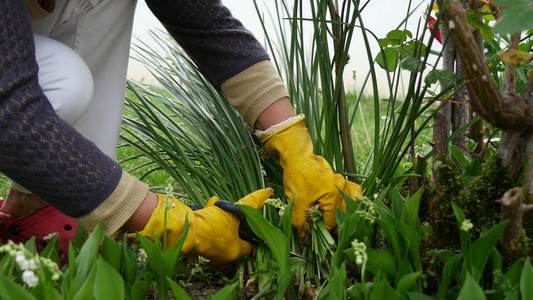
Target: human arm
x=234, y=60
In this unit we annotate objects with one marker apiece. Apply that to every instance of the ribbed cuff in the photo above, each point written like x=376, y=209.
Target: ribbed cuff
x=19, y=188
x=254, y=89
x=263, y=134
x=118, y=207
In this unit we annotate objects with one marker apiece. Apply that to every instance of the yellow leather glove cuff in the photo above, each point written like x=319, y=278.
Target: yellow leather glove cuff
x=308, y=177
x=213, y=233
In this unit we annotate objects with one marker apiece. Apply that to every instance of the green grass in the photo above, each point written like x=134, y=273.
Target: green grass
x=4, y=186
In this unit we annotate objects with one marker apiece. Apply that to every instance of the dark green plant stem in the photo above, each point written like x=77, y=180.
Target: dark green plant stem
x=344, y=124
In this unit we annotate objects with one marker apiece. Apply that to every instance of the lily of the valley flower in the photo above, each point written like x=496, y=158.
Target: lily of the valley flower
x=30, y=279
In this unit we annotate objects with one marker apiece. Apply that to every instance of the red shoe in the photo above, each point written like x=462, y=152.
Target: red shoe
x=40, y=224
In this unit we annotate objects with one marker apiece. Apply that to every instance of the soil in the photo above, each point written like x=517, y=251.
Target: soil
x=204, y=285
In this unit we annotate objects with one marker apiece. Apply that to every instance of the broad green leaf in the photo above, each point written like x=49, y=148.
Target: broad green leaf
x=46, y=292
x=277, y=241
x=459, y=156
x=263, y=292
x=7, y=264
x=129, y=263
x=284, y=282
x=486, y=31
x=226, y=292
x=511, y=280
x=157, y=263
x=412, y=204
x=112, y=253
x=51, y=250
x=464, y=236
x=30, y=245
x=139, y=290
x=481, y=249
x=403, y=238
x=395, y=38
x=449, y=273
x=471, y=290
x=347, y=226
x=288, y=229
x=393, y=238
x=408, y=281
x=397, y=204
x=405, y=267
x=412, y=64
x=340, y=217
x=380, y=261
x=418, y=296
x=86, y=260
x=86, y=291
x=108, y=283
x=471, y=172
x=172, y=254
x=177, y=290
x=515, y=17
x=382, y=290
x=387, y=59
x=357, y=291
x=351, y=204
x=80, y=237
x=413, y=48
x=526, y=280
x=398, y=36
x=447, y=77
x=346, y=235
x=11, y=290
x=337, y=291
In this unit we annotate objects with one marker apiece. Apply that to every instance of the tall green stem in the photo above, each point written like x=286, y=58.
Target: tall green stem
x=344, y=123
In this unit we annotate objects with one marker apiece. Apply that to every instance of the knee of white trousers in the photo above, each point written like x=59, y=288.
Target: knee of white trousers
x=64, y=77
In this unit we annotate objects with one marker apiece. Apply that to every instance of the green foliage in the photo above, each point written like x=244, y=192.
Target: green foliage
x=162, y=261
x=515, y=16
x=483, y=200
x=440, y=213
x=446, y=77
x=467, y=267
x=189, y=132
x=4, y=186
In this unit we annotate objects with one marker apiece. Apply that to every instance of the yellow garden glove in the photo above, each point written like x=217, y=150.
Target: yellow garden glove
x=308, y=177
x=213, y=232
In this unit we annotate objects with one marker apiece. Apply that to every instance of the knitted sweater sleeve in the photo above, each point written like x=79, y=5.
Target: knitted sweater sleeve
x=216, y=41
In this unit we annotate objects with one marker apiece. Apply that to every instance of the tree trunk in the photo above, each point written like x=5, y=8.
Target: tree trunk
x=513, y=209
x=511, y=112
x=475, y=133
x=460, y=111
x=442, y=118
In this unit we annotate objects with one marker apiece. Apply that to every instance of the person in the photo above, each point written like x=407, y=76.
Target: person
x=72, y=168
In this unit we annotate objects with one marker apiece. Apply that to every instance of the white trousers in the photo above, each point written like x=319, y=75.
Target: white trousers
x=99, y=33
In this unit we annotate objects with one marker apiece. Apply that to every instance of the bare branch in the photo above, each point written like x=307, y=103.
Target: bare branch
x=513, y=209
x=505, y=112
x=509, y=81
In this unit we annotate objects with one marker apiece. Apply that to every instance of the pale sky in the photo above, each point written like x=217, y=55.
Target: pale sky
x=379, y=16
